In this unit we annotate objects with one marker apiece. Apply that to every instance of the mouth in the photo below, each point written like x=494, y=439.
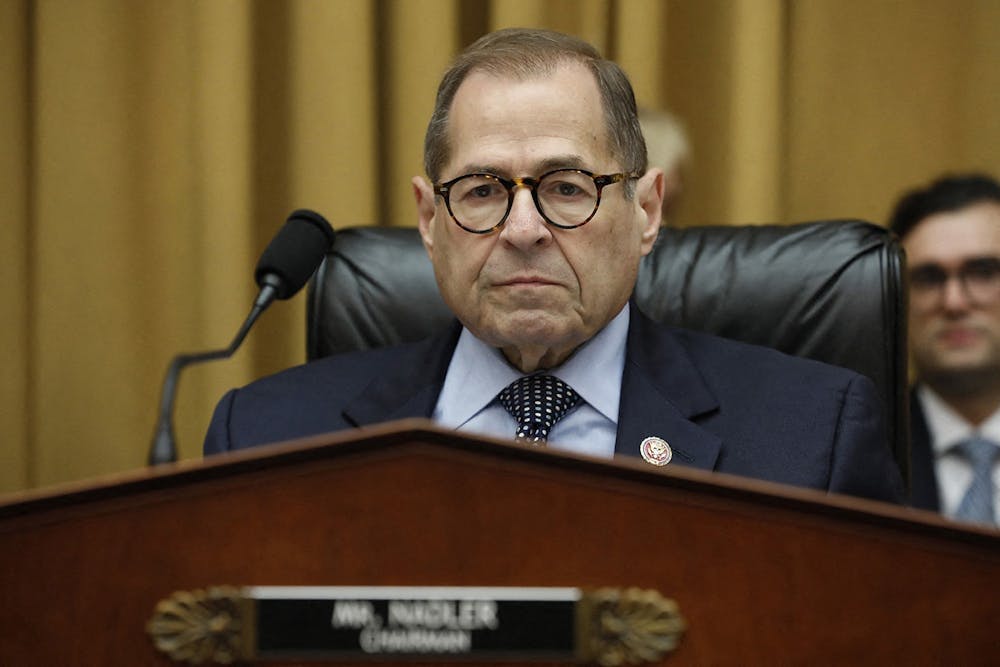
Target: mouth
x=526, y=281
x=958, y=336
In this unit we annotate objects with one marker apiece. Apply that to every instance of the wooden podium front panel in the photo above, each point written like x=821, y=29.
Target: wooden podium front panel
x=761, y=578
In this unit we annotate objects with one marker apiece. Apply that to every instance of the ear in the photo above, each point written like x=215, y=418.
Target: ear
x=426, y=209
x=649, y=199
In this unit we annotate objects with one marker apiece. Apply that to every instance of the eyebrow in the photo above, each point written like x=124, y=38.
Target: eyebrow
x=977, y=259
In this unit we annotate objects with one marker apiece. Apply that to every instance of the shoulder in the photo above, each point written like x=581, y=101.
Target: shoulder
x=716, y=353
x=777, y=417
x=337, y=372
x=743, y=385
x=730, y=366
x=795, y=420
x=751, y=381
x=331, y=382
x=314, y=398
x=700, y=370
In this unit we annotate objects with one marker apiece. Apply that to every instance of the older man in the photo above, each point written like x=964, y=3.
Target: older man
x=951, y=233
x=538, y=210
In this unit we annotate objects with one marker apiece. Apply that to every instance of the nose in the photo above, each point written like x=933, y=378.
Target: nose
x=525, y=227
x=955, y=296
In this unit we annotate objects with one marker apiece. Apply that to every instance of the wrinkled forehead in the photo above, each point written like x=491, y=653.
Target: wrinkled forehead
x=556, y=111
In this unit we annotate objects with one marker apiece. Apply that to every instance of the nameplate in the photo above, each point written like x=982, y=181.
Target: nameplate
x=227, y=624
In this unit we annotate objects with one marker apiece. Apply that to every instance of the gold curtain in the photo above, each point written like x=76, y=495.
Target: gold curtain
x=150, y=150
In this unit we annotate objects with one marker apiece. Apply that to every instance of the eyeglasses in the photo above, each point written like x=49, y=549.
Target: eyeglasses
x=566, y=198
x=979, y=278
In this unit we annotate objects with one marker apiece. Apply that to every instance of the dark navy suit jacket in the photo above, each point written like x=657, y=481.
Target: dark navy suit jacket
x=923, y=476
x=721, y=405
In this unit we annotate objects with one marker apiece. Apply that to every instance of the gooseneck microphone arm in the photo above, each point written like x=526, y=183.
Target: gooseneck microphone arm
x=286, y=264
x=164, y=449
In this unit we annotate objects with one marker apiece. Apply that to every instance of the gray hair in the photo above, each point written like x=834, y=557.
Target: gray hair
x=522, y=53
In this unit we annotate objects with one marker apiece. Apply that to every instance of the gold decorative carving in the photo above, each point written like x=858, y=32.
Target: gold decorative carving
x=203, y=626
x=628, y=627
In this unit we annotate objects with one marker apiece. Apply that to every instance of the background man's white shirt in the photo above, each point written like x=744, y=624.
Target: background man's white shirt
x=947, y=428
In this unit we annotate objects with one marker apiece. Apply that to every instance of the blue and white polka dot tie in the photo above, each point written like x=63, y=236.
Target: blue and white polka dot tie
x=537, y=402
x=977, y=504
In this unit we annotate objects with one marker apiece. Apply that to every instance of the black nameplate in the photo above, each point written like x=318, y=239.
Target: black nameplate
x=418, y=623
x=225, y=624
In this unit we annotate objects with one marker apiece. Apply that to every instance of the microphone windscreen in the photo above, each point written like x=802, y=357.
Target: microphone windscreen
x=295, y=252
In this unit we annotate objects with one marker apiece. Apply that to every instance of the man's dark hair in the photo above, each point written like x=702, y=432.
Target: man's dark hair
x=947, y=194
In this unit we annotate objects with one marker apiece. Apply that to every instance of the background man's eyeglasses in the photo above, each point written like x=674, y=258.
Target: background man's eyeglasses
x=566, y=198
x=979, y=278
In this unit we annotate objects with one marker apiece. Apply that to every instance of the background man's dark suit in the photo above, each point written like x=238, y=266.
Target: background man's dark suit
x=923, y=477
x=721, y=405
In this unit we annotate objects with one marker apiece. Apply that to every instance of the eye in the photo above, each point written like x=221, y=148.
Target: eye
x=567, y=186
x=984, y=270
x=928, y=276
x=478, y=189
x=565, y=189
x=486, y=191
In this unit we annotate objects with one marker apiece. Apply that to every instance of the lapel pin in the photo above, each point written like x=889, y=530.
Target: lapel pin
x=656, y=451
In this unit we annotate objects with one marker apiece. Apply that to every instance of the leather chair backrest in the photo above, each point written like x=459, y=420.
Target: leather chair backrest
x=831, y=291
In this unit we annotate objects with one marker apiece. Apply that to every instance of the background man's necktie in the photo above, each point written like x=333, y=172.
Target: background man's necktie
x=977, y=504
x=537, y=402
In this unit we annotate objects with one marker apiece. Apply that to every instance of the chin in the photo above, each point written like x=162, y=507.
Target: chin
x=957, y=380
x=956, y=361
x=531, y=328
x=966, y=359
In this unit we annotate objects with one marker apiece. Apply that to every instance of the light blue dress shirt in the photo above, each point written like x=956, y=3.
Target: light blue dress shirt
x=477, y=373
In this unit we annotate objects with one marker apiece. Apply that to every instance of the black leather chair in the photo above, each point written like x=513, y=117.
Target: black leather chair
x=831, y=291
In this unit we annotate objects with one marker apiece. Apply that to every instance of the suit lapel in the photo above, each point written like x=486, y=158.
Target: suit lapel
x=662, y=394
x=924, y=491
x=411, y=388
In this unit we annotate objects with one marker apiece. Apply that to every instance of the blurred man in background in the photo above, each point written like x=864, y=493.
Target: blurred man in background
x=668, y=148
x=951, y=233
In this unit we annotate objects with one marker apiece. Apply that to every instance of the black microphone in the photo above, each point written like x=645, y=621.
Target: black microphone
x=291, y=257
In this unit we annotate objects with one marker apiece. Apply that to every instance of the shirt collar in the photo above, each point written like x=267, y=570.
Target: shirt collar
x=595, y=369
x=478, y=372
x=947, y=428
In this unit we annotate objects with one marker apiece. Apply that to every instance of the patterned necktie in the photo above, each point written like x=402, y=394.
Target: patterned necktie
x=537, y=402
x=977, y=504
